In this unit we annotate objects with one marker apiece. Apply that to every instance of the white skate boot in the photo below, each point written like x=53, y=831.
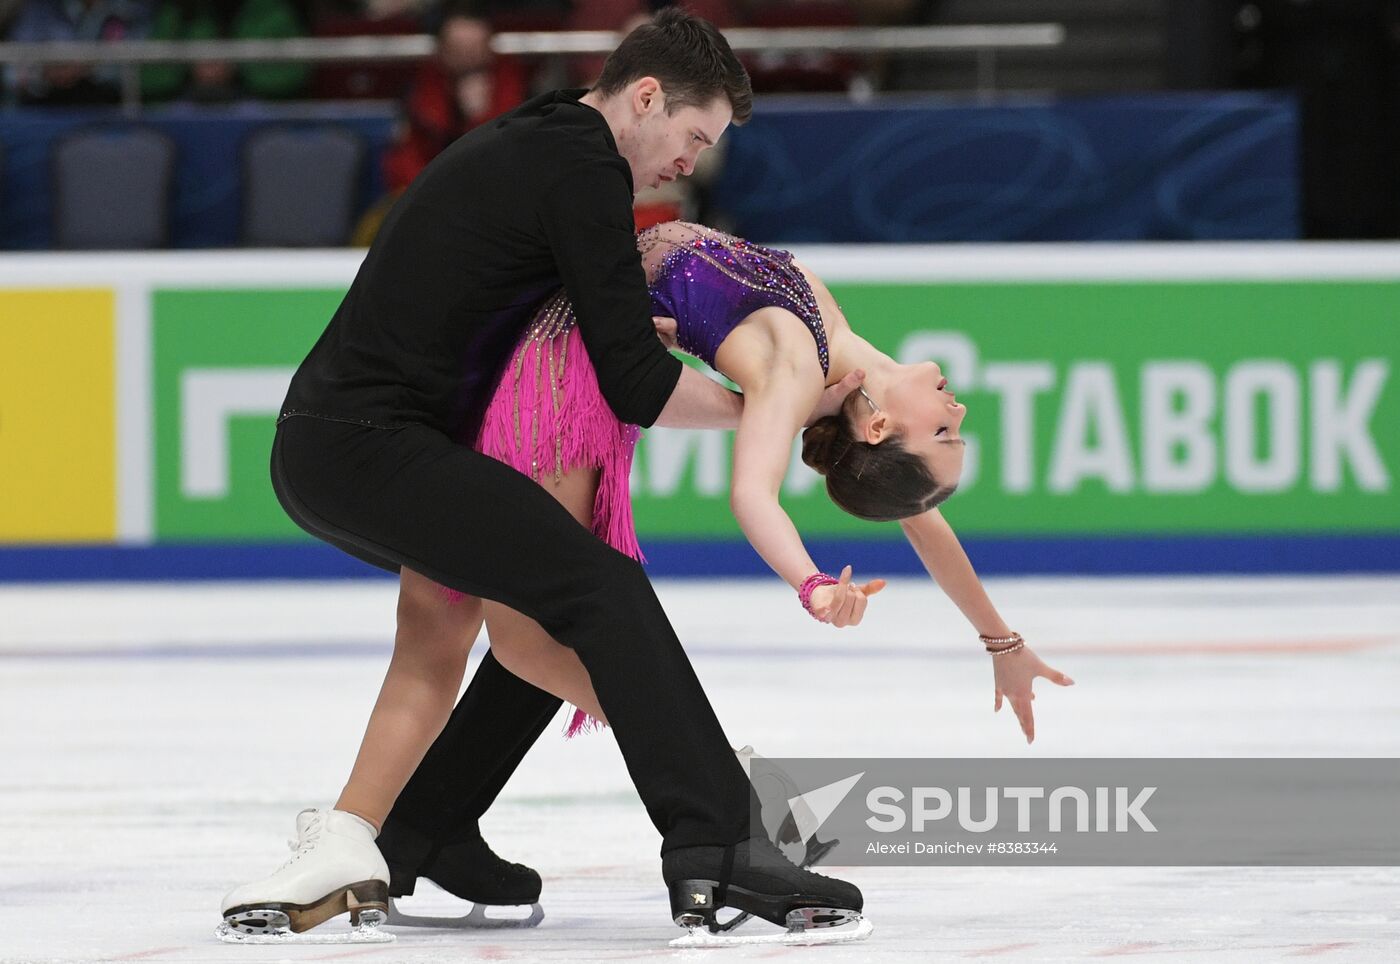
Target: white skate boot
x=335, y=868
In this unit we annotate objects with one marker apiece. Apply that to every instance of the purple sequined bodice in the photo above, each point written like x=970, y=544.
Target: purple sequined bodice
x=710, y=282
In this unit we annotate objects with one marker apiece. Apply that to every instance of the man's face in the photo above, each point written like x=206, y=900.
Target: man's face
x=664, y=146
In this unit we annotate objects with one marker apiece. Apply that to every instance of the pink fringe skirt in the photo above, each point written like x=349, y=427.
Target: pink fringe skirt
x=548, y=417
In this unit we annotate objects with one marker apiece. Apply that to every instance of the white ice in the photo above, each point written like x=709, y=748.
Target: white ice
x=156, y=742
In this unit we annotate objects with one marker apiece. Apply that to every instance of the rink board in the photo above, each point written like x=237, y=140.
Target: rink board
x=1131, y=408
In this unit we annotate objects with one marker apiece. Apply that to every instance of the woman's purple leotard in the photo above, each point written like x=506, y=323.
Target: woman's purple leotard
x=710, y=281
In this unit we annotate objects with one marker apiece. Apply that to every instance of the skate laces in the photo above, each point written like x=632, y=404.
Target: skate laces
x=307, y=836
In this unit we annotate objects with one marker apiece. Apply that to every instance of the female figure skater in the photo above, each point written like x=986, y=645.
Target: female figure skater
x=892, y=453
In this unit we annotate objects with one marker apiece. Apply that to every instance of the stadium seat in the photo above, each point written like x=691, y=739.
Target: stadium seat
x=112, y=188
x=301, y=186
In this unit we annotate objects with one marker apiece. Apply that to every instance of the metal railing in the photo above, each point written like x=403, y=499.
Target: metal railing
x=983, y=41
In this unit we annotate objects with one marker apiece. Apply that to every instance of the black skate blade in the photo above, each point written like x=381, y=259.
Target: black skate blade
x=475, y=919
x=851, y=927
x=693, y=905
x=816, y=853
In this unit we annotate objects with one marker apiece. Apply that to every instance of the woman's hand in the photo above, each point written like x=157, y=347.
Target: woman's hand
x=1014, y=674
x=844, y=603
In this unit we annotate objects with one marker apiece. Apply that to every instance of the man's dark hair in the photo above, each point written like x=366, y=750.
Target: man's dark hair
x=884, y=482
x=690, y=58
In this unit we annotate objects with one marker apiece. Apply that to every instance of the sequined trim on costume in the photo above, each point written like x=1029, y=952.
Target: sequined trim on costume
x=555, y=318
x=767, y=270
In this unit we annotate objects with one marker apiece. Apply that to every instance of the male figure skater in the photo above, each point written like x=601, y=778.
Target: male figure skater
x=365, y=455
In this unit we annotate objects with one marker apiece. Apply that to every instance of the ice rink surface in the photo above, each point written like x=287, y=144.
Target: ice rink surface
x=157, y=742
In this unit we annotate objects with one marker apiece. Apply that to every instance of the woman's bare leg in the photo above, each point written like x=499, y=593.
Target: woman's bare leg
x=431, y=646
x=521, y=644
x=523, y=647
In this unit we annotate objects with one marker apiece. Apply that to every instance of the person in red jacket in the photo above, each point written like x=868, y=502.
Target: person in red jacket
x=464, y=85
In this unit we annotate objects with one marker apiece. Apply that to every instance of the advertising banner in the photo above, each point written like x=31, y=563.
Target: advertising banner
x=222, y=362
x=1122, y=396
x=1116, y=407
x=57, y=416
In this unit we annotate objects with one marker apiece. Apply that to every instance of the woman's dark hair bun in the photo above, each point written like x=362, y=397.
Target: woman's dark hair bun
x=822, y=444
x=880, y=482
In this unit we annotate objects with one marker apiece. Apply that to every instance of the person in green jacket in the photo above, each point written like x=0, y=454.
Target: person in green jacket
x=212, y=80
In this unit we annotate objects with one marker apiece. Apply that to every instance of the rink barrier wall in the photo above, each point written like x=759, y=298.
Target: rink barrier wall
x=1134, y=408
x=706, y=559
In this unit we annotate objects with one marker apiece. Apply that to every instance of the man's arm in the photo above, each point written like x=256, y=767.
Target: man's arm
x=700, y=402
x=587, y=220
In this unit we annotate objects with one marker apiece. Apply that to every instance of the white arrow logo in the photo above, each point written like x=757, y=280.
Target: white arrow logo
x=811, y=809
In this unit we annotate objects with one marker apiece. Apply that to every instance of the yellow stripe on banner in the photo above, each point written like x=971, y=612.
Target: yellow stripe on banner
x=58, y=416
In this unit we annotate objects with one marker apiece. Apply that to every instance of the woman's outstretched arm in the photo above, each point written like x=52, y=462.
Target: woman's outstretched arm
x=943, y=556
x=776, y=405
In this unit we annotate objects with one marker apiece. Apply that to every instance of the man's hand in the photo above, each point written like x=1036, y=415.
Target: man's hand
x=834, y=397
x=665, y=330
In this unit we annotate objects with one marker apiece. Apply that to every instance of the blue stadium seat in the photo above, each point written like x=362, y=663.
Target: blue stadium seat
x=301, y=186
x=112, y=188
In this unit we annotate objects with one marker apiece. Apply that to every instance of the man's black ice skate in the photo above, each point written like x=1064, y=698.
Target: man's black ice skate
x=781, y=803
x=814, y=851
x=755, y=877
x=466, y=868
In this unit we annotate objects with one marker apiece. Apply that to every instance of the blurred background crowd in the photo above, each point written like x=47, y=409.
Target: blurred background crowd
x=1326, y=151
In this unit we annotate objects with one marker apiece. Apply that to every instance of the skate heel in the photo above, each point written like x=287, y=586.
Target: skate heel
x=693, y=902
x=368, y=903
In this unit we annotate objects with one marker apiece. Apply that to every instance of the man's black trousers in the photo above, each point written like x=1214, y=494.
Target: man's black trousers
x=412, y=497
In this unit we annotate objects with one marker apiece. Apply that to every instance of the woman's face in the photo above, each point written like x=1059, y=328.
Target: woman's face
x=929, y=417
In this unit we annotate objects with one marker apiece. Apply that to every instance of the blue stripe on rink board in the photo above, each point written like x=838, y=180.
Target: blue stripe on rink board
x=1125, y=555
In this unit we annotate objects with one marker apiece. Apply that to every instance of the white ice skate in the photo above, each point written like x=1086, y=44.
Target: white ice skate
x=335, y=868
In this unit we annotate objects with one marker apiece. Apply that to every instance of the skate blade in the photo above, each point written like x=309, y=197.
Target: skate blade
x=799, y=933
x=816, y=852
x=476, y=918
x=366, y=903
x=365, y=932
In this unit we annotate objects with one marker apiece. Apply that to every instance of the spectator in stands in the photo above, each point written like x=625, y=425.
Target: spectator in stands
x=8, y=9
x=214, y=80
x=464, y=85
x=53, y=20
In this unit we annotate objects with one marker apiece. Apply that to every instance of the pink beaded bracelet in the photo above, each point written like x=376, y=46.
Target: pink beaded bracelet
x=804, y=592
